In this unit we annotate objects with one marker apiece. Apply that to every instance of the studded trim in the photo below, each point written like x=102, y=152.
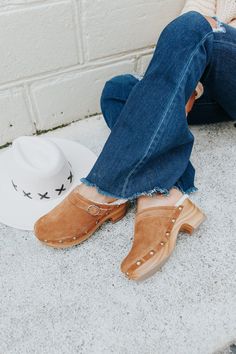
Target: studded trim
x=99, y=214
x=154, y=249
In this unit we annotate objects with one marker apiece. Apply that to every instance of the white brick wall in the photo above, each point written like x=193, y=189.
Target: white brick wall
x=56, y=56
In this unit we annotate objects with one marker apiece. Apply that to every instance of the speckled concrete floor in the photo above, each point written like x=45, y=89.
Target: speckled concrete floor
x=77, y=301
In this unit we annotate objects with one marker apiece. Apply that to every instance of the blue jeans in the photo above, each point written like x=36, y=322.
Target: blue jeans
x=150, y=144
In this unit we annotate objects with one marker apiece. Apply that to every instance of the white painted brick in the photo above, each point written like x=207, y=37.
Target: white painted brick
x=14, y=116
x=115, y=26
x=42, y=37
x=143, y=63
x=73, y=96
x=36, y=39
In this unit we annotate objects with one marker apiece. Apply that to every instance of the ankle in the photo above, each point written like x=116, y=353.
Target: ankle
x=159, y=199
x=91, y=193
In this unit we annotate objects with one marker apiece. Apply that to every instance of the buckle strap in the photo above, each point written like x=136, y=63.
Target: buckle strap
x=92, y=208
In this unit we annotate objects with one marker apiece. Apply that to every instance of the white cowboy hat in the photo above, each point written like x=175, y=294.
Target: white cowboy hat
x=36, y=174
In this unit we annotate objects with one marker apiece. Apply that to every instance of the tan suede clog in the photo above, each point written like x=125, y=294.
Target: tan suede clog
x=156, y=231
x=75, y=219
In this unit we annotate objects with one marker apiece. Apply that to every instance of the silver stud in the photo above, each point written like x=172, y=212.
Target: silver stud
x=173, y=220
x=152, y=253
x=180, y=208
x=46, y=241
x=60, y=241
x=162, y=243
x=167, y=234
x=74, y=238
x=138, y=263
x=127, y=274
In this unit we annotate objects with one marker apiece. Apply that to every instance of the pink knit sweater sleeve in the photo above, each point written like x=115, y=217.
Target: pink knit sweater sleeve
x=233, y=23
x=205, y=7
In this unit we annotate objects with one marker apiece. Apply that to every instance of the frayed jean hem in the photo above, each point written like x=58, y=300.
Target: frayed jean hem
x=136, y=195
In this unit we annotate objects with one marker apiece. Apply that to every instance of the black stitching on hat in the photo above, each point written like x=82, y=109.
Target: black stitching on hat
x=28, y=195
x=44, y=196
x=70, y=177
x=14, y=185
x=60, y=190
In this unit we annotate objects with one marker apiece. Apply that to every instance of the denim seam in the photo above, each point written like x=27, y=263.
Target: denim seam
x=165, y=114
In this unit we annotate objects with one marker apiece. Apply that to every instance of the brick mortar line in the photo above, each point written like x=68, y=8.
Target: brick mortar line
x=78, y=33
x=136, y=55
x=83, y=30
x=78, y=14
x=30, y=5
x=33, y=114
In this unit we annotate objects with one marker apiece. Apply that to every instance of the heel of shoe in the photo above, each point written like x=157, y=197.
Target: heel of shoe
x=119, y=214
x=194, y=221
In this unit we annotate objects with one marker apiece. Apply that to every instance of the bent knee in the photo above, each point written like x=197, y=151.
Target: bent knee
x=118, y=84
x=191, y=20
x=194, y=17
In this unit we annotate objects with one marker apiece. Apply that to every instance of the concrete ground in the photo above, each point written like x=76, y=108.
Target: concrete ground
x=77, y=301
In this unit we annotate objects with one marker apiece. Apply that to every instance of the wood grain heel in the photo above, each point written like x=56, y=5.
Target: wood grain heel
x=155, y=236
x=195, y=220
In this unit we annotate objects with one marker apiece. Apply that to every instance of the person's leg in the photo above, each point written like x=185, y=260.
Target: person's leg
x=115, y=95
x=113, y=98
x=207, y=110
x=149, y=147
x=155, y=236
x=222, y=72
x=217, y=103
x=116, y=91
x=150, y=144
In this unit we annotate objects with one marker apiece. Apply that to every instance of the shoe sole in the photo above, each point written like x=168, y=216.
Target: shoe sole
x=114, y=217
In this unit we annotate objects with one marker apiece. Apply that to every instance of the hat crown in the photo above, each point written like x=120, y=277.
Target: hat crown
x=37, y=155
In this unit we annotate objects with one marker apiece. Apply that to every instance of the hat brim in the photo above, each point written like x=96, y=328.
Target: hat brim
x=22, y=213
